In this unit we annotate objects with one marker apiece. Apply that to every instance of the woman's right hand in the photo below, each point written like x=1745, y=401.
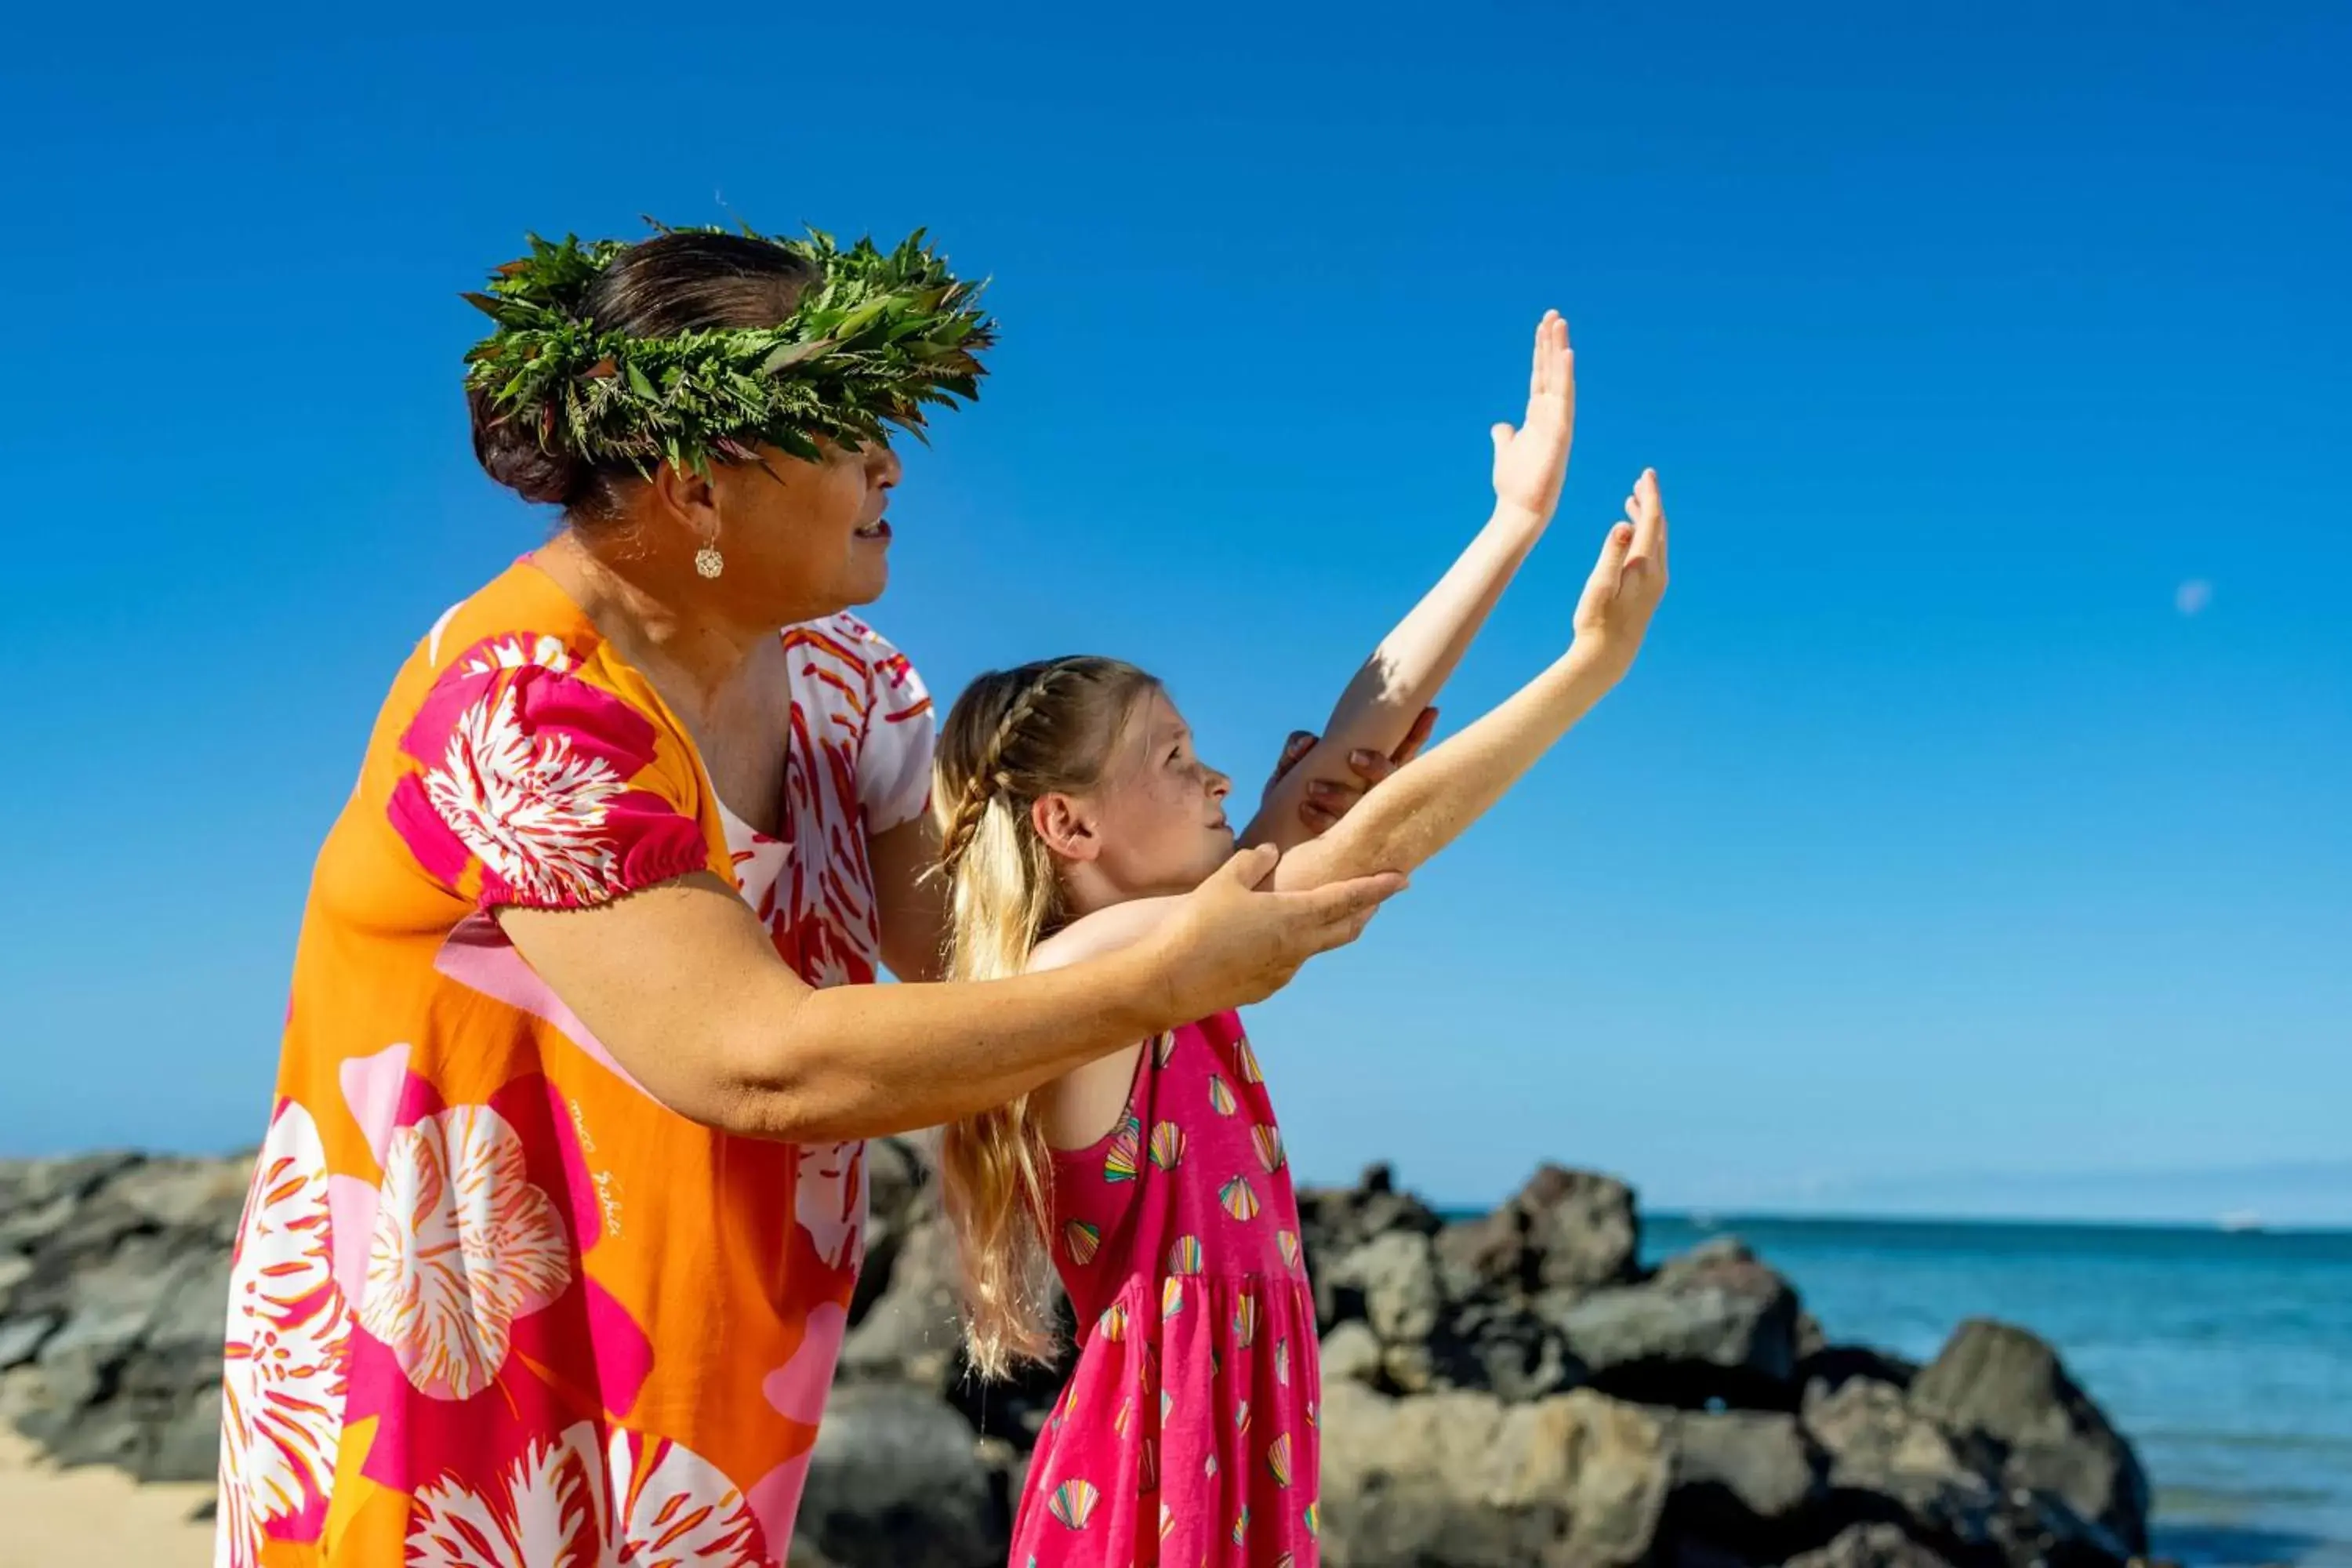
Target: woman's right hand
x=1228, y=944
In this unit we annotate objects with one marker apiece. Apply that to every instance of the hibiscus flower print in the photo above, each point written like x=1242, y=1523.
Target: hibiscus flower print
x=511, y=652
x=671, y=1505
x=288, y=1347
x=829, y=1200
x=529, y=807
x=463, y=1244
x=642, y=1500
x=536, y=773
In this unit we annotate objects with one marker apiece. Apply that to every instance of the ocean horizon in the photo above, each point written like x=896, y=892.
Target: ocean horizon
x=1704, y=1222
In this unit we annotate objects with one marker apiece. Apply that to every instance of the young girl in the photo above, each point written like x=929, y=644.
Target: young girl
x=1072, y=810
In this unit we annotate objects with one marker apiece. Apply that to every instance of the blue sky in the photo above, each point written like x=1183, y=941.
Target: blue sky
x=1932, y=839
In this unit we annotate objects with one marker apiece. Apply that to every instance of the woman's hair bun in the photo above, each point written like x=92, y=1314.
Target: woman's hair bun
x=512, y=454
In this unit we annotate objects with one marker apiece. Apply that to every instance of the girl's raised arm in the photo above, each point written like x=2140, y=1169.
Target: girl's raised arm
x=1431, y=799
x=1428, y=803
x=1404, y=672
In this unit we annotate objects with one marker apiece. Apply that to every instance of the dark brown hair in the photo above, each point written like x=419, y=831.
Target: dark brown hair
x=670, y=284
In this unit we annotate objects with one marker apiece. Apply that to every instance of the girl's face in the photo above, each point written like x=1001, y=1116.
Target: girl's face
x=1155, y=825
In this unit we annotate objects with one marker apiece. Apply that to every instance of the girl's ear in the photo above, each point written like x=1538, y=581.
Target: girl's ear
x=1066, y=826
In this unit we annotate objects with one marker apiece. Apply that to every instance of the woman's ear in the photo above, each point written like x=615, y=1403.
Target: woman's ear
x=1066, y=827
x=688, y=498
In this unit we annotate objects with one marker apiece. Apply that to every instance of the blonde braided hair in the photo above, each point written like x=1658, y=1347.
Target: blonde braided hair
x=1013, y=738
x=989, y=775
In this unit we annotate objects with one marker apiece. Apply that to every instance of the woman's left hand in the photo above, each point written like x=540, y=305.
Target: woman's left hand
x=1325, y=802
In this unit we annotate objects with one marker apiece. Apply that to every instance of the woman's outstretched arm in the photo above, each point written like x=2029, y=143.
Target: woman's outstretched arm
x=682, y=985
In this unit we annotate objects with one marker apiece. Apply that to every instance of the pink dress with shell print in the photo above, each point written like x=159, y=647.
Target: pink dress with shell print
x=1187, y=1433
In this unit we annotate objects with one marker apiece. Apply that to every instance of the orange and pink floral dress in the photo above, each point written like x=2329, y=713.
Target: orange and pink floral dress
x=492, y=1306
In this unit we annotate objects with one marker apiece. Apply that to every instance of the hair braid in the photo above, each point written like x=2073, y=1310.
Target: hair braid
x=990, y=776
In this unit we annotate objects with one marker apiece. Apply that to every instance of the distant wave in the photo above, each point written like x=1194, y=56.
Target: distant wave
x=2253, y=1442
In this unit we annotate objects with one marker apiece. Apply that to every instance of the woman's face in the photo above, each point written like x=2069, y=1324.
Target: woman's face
x=799, y=539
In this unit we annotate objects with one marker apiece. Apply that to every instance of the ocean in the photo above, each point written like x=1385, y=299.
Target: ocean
x=2226, y=1356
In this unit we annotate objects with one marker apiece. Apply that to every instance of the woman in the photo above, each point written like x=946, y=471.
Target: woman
x=549, y=1250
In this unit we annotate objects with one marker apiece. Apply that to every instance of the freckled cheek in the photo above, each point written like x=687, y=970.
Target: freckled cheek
x=1162, y=815
x=1183, y=804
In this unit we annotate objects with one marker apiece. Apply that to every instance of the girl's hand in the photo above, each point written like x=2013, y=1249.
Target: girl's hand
x=1530, y=461
x=1614, y=614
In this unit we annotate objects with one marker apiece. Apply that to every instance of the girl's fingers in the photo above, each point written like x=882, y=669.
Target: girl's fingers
x=1652, y=518
x=1602, y=586
x=1615, y=548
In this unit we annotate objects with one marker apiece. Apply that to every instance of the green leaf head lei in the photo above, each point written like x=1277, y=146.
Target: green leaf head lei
x=874, y=337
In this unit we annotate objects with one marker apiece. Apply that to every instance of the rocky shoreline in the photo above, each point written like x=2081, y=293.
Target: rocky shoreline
x=1505, y=1392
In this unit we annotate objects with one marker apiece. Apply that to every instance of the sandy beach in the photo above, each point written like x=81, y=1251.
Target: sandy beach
x=94, y=1518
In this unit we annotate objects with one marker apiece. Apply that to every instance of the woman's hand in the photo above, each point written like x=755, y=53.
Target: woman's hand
x=1325, y=803
x=1227, y=943
x=1613, y=613
x=1529, y=462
